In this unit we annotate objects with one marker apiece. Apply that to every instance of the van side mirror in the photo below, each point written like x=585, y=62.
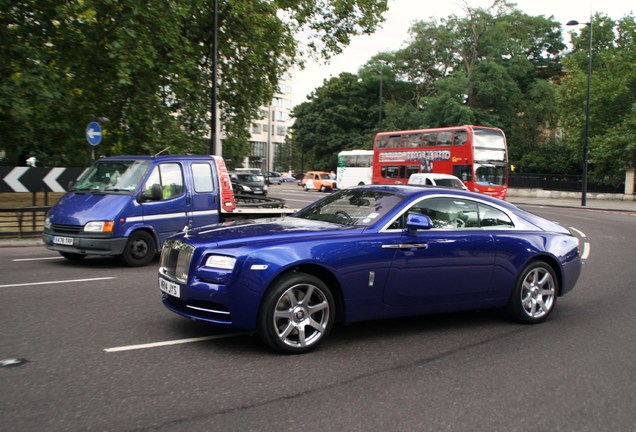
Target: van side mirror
x=154, y=194
x=416, y=222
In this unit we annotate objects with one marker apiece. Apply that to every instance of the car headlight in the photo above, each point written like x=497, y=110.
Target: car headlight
x=246, y=188
x=221, y=262
x=99, y=226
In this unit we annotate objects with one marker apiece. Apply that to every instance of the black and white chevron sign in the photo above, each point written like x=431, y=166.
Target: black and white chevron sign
x=27, y=179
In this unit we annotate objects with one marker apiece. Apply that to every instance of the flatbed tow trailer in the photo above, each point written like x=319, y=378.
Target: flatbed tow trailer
x=250, y=206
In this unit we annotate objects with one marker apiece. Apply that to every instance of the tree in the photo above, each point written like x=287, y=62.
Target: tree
x=490, y=67
x=613, y=97
x=65, y=63
x=341, y=115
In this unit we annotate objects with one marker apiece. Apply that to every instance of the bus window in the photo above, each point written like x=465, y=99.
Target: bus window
x=415, y=140
x=394, y=172
x=382, y=142
x=463, y=172
x=394, y=141
x=430, y=139
x=461, y=137
x=445, y=138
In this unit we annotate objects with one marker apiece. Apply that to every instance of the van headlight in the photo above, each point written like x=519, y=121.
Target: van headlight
x=223, y=262
x=99, y=226
x=47, y=223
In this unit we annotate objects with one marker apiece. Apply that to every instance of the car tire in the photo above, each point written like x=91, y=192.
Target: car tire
x=140, y=249
x=535, y=293
x=297, y=314
x=73, y=256
x=323, y=188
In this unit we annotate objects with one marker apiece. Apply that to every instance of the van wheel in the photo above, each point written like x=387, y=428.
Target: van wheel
x=139, y=250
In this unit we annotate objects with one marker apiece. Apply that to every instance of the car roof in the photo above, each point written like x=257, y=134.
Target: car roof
x=157, y=158
x=411, y=191
x=433, y=175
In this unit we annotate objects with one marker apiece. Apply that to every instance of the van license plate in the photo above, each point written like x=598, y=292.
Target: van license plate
x=169, y=288
x=63, y=240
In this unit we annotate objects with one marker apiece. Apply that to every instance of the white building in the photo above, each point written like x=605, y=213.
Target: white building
x=269, y=132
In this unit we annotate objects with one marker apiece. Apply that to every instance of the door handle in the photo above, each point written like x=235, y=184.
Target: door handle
x=407, y=246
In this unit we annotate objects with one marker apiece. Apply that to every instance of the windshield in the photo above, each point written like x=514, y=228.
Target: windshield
x=450, y=182
x=489, y=174
x=248, y=177
x=355, y=207
x=116, y=176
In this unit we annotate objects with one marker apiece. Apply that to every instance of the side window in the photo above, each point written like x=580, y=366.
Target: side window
x=491, y=217
x=445, y=138
x=430, y=139
x=202, y=176
x=446, y=213
x=461, y=137
x=169, y=177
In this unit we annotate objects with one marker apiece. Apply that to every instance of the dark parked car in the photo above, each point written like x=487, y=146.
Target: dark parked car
x=365, y=253
x=247, y=183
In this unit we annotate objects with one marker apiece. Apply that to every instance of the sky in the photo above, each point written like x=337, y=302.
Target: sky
x=393, y=33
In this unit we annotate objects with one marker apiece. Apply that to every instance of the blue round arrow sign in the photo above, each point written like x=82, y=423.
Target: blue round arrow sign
x=94, y=133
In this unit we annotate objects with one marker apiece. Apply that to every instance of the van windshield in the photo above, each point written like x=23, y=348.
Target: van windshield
x=113, y=176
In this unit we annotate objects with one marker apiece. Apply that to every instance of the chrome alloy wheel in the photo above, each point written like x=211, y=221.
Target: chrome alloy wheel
x=301, y=315
x=538, y=292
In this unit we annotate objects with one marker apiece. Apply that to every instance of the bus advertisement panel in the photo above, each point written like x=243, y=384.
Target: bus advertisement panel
x=477, y=155
x=354, y=168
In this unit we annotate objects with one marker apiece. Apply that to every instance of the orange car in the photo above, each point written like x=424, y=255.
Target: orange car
x=319, y=180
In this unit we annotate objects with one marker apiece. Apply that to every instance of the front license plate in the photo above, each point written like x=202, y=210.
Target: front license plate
x=63, y=240
x=169, y=288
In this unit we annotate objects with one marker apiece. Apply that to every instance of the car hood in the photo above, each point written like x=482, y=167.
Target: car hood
x=251, y=231
x=80, y=208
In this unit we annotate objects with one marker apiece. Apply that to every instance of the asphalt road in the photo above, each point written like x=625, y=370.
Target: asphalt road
x=101, y=353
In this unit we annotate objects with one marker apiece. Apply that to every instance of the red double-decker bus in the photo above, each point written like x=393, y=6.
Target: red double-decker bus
x=478, y=155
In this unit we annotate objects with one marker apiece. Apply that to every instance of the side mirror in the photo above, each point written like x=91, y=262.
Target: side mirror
x=416, y=222
x=154, y=194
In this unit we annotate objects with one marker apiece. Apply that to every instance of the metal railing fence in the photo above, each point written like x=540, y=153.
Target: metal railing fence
x=22, y=221
x=559, y=182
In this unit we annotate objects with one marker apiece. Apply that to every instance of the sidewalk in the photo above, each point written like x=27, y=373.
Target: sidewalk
x=518, y=198
x=592, y=204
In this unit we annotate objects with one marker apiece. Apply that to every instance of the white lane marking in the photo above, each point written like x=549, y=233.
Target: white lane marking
x=37, y=259
x=581, y=233
x=56, y=282
x=586, y=251
x=585, y=254
x=171, y=342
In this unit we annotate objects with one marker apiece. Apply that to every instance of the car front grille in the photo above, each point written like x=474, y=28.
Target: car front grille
x=175, y=260
x=66, y=229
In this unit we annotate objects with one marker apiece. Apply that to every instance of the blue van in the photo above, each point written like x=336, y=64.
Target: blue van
x=128, y=205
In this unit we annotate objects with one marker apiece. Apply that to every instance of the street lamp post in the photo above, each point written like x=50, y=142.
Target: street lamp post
x=213, y=96
x=586, y=136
